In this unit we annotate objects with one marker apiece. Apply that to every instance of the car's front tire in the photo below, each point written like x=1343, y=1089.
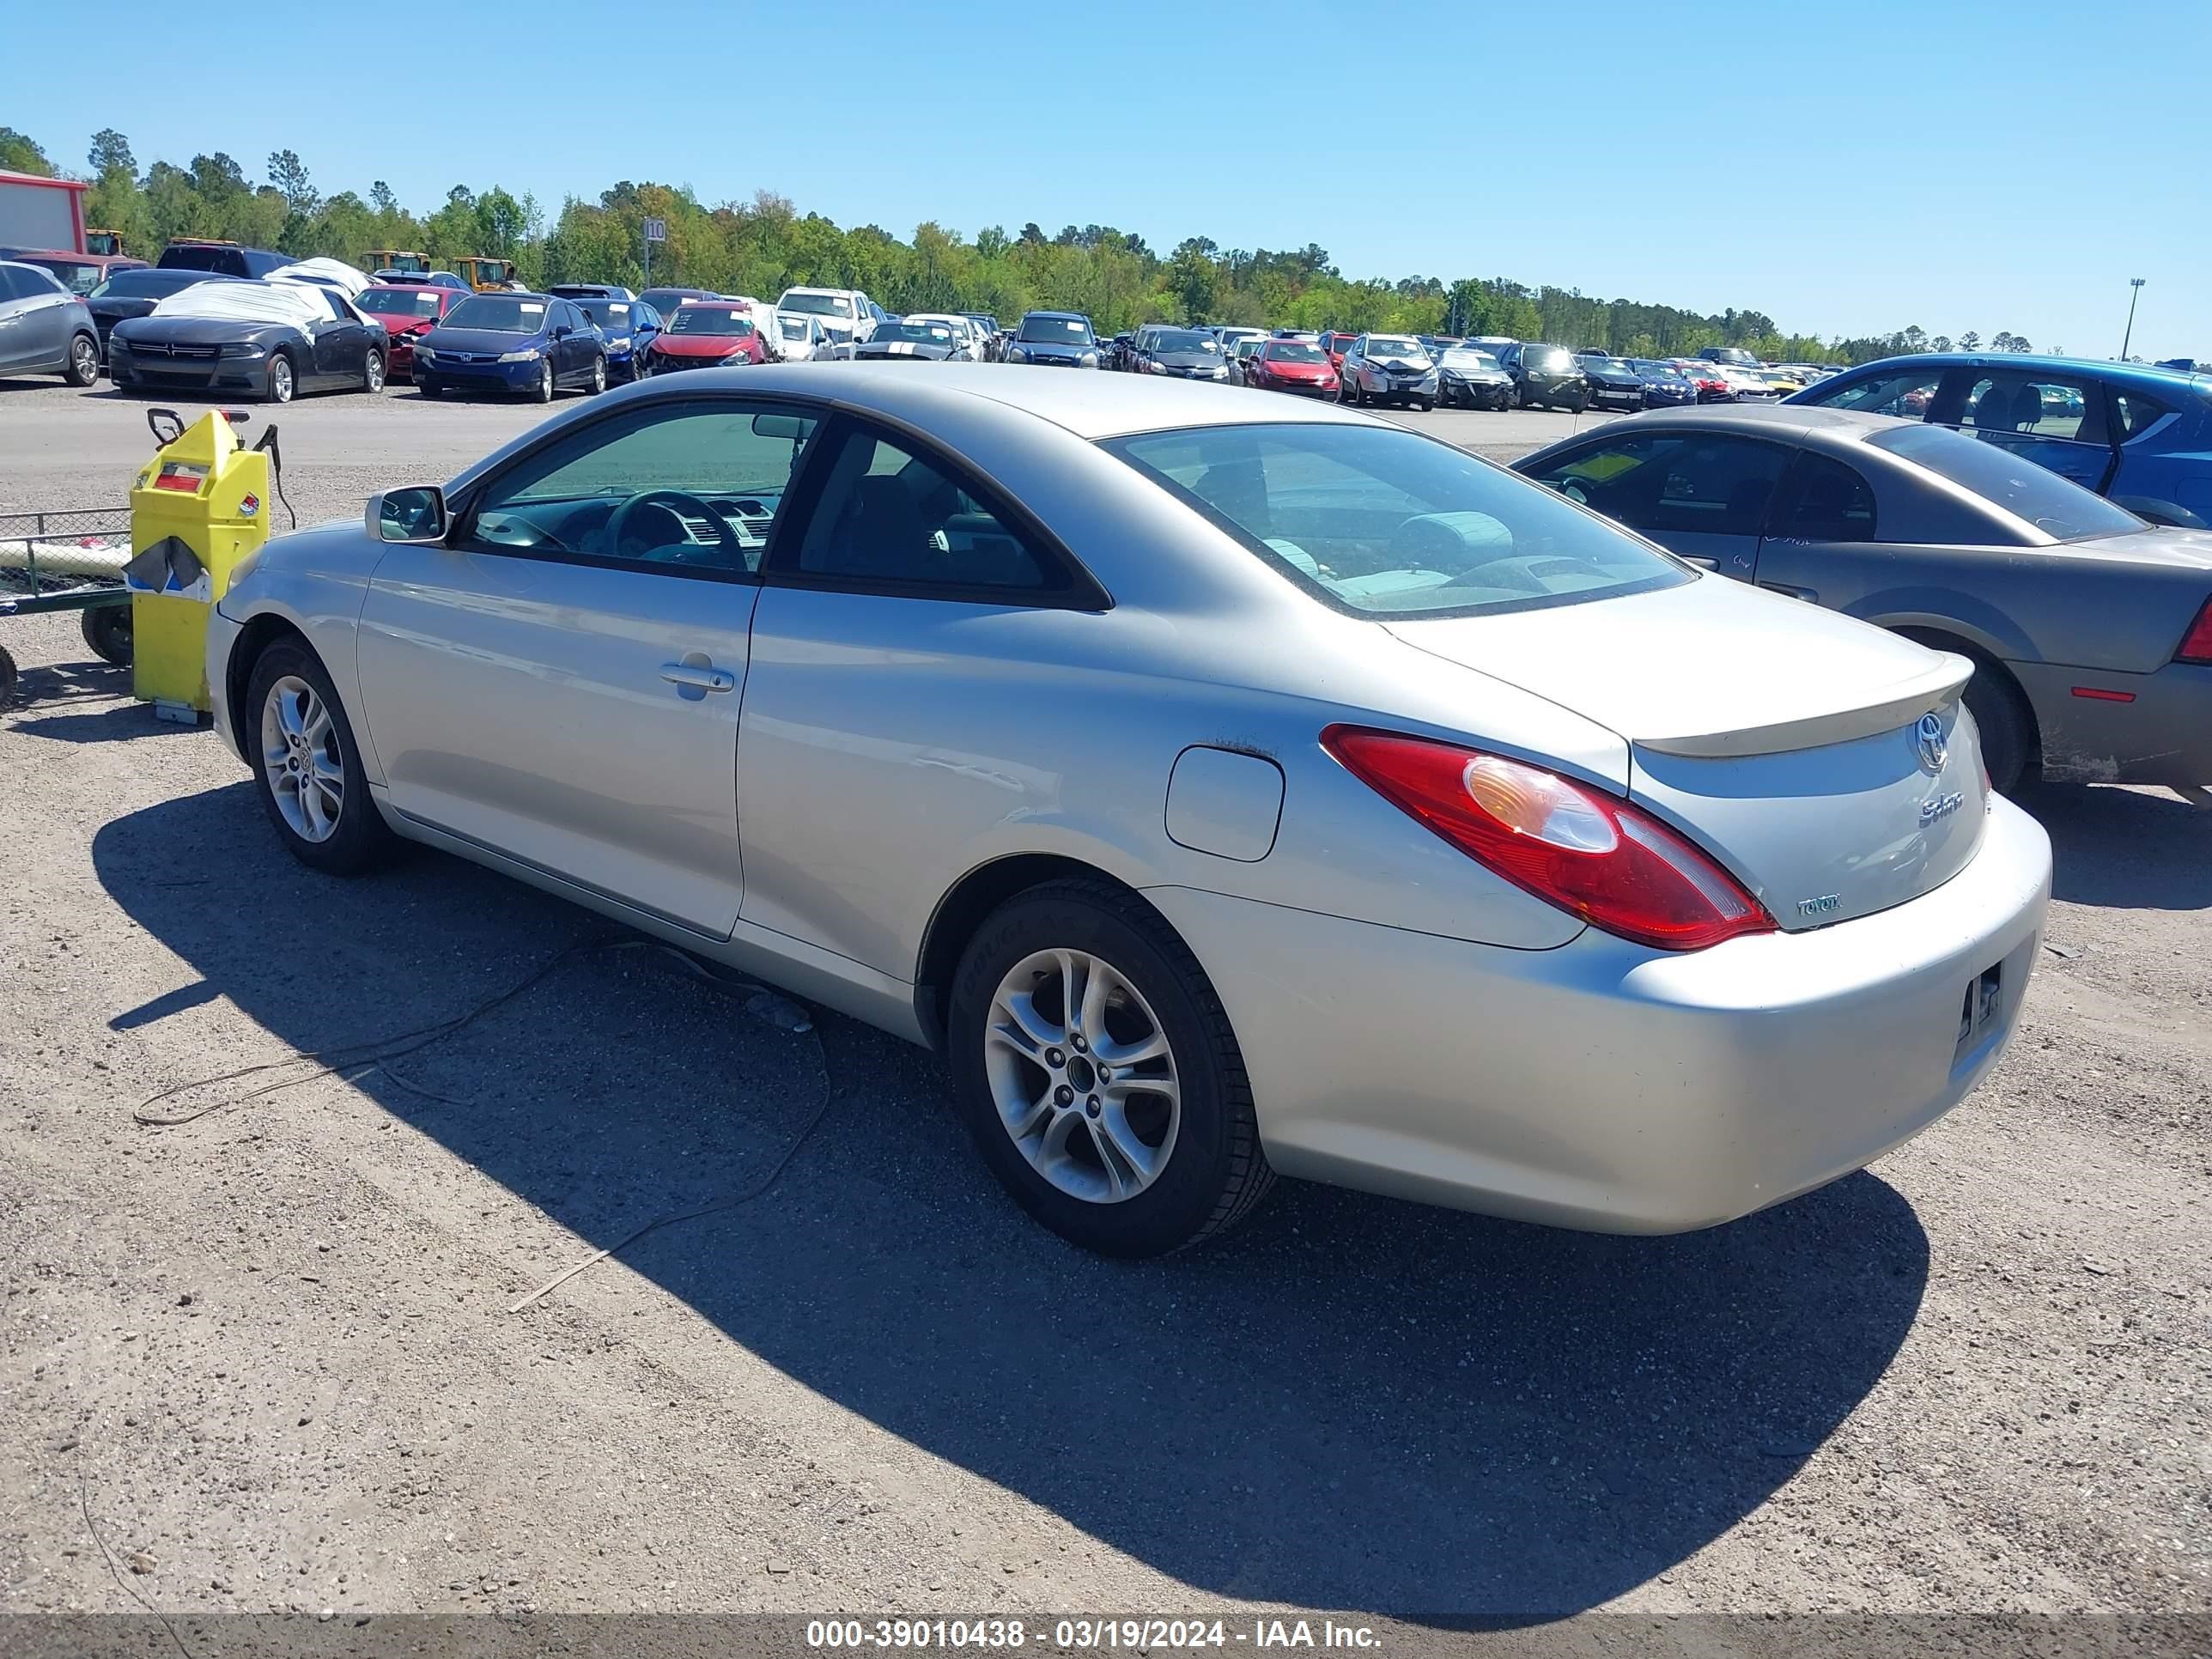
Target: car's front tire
x=598, y=381
x=543, y=391
x=82, y=368
x=1097, y=1072
x=282, y=383
x=372, y=374
x=307, y=765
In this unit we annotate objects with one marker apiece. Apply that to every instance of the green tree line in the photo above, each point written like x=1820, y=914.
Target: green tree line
x=766, y=245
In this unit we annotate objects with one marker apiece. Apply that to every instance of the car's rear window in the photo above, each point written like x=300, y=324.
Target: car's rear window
x=2058, y=507
x=1389, y=523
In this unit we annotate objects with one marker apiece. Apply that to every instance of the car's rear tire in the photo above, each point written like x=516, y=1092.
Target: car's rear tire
x=107, y=629
x=282, y=383
x=2005, y=723
x=307, y=764
x=1060, y=1107
x=82, y=368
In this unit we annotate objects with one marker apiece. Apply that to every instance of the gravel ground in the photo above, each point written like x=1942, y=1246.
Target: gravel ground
x=268, y=1353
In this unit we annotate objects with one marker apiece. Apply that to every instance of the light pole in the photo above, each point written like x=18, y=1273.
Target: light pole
x=2135, y=292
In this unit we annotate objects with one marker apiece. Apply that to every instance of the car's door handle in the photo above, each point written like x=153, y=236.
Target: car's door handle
x=699, y=679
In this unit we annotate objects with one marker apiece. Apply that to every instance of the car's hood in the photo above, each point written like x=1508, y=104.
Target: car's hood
x=697, y=345
x=1052, y=348
x=196, y=330
x=1402, y=365
x=1784, y=737
x=1612, y=376
x=403, y=322
x=1297, y=371
x=1552, y=371
x=116, y=309
x=1469, y=372
x=928, y=349
x=482, y=339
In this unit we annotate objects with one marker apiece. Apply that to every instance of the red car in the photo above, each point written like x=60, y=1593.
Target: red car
x=1336, y=345
x=708, y=334
x=1711, y=388
x=408, y=311
x=80, y=273
x=1291, y=366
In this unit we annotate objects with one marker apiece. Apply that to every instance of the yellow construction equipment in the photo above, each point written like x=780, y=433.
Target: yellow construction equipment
x=200, y=507
x=485, y=275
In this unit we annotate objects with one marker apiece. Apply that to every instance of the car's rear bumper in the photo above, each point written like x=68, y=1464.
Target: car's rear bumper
x=2161, y=733
x=1609, y=1087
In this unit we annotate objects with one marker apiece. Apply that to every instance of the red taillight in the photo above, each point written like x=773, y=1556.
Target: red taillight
x=2196, y=644
x=1589, y=854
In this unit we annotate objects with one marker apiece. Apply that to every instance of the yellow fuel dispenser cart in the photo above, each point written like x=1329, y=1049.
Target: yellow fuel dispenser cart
x=198, y=508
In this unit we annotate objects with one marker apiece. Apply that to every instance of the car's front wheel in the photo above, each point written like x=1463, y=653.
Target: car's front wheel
x=598, y=381
x=1097, y=1072
x=307, y=765
x=543, y=391
x=281, y=384
x=82, y=368
x=372, y=374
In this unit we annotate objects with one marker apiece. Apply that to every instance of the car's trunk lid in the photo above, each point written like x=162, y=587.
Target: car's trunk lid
x=1786, y=740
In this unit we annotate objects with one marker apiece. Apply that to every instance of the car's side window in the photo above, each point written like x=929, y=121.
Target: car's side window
x=1673, y=484
x=2009, y=402
x=1906, y=393
x=1826, y=502
x=694, y=488
x=888, y=518
x=2136, y=412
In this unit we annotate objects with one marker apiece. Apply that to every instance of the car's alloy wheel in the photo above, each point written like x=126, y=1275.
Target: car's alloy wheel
x=300, y=759
x=308, y=769
x=1098, y=1074
x=545, y=381
x=1082, y=1075
x=598, y=375
x=84, y=362
x=372, y=379
x=280, y=379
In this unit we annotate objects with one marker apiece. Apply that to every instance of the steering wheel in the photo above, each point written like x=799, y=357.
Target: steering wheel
x=669, y=502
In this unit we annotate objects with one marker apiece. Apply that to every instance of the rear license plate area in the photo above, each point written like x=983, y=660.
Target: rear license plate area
x=1980, y=1010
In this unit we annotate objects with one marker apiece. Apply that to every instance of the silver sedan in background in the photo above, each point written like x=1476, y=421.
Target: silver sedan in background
x=1227, y=785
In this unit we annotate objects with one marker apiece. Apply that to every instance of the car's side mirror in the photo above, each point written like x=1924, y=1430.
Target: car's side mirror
x=562, y=331
x=415, y=516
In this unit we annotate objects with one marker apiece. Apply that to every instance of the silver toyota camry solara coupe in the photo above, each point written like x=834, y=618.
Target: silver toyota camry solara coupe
x=1228, y=785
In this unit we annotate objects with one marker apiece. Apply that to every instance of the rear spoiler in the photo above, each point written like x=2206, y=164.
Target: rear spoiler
x=1933, y=687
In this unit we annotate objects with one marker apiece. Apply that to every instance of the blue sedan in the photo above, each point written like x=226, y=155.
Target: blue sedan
x=528, y=343
x=2141, y=436
x=629, y=327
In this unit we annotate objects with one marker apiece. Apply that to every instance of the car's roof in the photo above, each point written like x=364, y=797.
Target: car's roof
x=2142, y=375
x=1089, y=404
x=1810, y=421
x=1080, y=317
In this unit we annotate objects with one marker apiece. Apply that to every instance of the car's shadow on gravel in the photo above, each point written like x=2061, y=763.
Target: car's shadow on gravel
x=1351, y=1403
x=2133, y=849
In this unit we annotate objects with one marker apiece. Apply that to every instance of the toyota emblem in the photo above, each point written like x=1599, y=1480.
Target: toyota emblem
x=1929, y=735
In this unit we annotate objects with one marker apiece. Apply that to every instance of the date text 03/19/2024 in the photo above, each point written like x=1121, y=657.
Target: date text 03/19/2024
x=1081, y=1635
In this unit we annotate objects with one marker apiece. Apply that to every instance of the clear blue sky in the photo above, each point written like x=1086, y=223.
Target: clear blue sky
x=1846, y=167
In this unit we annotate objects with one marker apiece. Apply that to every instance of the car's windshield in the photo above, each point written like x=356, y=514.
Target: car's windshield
x=1651, y=371
x=1060, y=331
x=1185, y=339
x=1546, y=357
x=1469, y=357
x=498, y=313
x=1294, y=351
x=709, y=320
x=1384, y=522
x=612, y=315
x=75, y=275
x=927, y=333
x=1735, y=356
x=822, y=305
x=1395, y=345
x=2058, y=507
x=398, y=301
